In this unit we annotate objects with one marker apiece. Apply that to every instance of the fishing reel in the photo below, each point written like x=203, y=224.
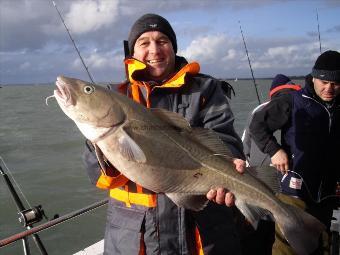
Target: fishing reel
x=30, y=216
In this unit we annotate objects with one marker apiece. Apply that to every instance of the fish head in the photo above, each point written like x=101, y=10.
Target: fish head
x=92, y=107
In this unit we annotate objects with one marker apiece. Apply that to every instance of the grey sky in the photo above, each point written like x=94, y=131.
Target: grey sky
x=281, y=36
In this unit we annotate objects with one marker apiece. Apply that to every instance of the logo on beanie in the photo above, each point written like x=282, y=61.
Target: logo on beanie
x=153, y=25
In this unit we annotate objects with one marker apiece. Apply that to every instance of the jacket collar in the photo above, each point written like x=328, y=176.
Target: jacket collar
x=136, y=67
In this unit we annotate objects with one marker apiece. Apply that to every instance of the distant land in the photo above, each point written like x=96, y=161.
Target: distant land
x=293, y=77
x=302, y=77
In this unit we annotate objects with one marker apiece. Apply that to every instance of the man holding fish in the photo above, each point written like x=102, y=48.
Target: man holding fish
x=160, y=168
x=158, y=78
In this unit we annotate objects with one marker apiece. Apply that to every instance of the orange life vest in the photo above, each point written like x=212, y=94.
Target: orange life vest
x=120, y=187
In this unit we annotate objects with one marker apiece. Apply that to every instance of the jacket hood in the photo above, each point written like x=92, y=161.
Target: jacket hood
x=136, y=71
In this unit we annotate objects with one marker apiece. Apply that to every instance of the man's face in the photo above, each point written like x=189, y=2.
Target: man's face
x=326, y=90
x=155, y=49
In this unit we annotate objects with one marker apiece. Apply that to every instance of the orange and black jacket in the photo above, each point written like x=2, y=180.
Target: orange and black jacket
x=202, y=100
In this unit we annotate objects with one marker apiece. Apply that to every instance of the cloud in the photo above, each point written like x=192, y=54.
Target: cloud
x=34, y=45
x=335, y=29
x=97, y=61
x=20, y=25
x=209, y=48
x=224, y=56
x=26, y=65
x=86, y=16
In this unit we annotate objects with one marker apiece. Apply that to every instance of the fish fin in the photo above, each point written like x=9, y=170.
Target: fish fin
x=267, y=175
x=100, y=158
x=130, y=150
x=252, y=213
x=204, y=136
x=189, y=201
x=210, y=139
x=301, y=230
x=172, y=118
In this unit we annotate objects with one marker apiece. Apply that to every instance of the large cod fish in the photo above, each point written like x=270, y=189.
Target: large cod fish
x=160, y=151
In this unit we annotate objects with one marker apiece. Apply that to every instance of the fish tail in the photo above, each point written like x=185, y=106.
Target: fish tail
x=301, y=229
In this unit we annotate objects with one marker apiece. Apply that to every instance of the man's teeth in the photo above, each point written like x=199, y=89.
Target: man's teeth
x=154, y=61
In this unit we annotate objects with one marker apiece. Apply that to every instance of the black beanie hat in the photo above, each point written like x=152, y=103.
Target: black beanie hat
x=282, y=82
x=279, y=80
x=327, y=66
x=151, y=22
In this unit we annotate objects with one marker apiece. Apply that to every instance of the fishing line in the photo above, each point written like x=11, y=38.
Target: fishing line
x=307, y=188
x=74, y=43
x=251, y=69
x=317, y=19
x=16, y=183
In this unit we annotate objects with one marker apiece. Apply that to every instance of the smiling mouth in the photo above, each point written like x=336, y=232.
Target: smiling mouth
x=155, y=61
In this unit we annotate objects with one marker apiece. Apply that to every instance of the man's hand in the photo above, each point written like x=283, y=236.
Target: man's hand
x=280, y=161
x=223, y=196
x=240, y=165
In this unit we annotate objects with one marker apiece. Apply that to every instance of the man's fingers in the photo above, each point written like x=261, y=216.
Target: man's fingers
x=211, y=194
x=220, y=196
x=229, y=199
x=240, y=165
x=283, y=168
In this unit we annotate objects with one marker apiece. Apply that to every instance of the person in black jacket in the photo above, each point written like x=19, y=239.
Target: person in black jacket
x=263, y=237
x=280, y=85
x=140, y=221
x=309, y=120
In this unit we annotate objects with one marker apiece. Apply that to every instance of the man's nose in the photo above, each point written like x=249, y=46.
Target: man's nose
x=153, y=47
x=330, y=86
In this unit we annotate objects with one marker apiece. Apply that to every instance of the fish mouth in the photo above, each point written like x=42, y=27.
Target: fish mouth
x=63, y=93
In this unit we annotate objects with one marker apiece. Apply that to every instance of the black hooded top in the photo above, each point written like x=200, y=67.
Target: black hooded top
x=301, y=116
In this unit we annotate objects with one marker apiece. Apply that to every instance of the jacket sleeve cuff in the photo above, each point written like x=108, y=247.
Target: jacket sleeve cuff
x=272, y=148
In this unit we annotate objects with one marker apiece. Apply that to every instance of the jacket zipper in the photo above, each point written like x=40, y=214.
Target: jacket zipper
x=329, y=114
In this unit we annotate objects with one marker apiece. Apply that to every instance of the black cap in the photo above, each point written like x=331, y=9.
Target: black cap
x=151, y=22
x=327, y=66
x=282, y=83
x=280, y=79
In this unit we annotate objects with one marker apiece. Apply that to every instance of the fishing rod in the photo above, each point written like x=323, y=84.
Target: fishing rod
x=52, y=223
x=317, y=19
x=74, y=43
x=26, y=216
x=251, y=69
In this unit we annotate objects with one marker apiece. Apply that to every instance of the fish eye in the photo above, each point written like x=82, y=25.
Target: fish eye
x=88, y=90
